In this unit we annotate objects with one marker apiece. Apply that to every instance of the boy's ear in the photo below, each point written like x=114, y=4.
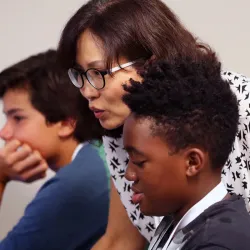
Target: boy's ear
x=195, y=159
x=66, y=127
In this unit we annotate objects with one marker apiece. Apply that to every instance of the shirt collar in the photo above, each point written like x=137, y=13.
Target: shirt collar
x=77, y=149
x=215, y=195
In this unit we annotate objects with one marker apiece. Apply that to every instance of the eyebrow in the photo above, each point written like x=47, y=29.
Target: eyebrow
x=92, y=64
x=131, y=149
x=12, y=111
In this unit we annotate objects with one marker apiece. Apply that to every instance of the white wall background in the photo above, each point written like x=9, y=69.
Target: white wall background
x=31, y=26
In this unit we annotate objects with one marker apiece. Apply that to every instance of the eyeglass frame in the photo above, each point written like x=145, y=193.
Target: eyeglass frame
x=102, y=72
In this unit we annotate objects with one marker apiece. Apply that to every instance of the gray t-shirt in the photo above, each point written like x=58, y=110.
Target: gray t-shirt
x=224, y=225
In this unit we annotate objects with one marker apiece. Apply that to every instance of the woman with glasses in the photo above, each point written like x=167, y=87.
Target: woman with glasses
x=103, y=46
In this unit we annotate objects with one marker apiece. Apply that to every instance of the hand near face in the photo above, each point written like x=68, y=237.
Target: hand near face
x=19, y=162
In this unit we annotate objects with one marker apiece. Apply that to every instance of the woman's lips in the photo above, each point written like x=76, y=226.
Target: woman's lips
x=98, y=114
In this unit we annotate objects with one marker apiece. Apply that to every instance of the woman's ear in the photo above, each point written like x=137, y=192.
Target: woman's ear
x=66, y=128
x=195, y=159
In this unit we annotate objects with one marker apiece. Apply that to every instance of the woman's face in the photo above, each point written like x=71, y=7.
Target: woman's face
x=106, y=103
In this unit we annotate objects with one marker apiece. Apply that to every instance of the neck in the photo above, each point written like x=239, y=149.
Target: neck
x=198, y=192
x=65, y=153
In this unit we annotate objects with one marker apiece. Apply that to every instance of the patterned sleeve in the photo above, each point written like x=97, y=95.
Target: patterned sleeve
x=236, y=172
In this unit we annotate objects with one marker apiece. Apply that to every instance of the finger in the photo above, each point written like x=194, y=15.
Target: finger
x=34, y=174
x=12, y=146
x=29, y=162
x=37, y=177
x=18, y=155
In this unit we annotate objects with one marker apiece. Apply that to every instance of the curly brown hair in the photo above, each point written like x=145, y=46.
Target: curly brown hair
x=189, y=104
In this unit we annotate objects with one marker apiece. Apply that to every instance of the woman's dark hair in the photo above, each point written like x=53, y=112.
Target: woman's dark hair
x=130, y=28
x=133, y=29
x=51, y=93
x=189, y=104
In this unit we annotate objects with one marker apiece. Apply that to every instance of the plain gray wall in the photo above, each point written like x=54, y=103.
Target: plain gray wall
x=31, y=26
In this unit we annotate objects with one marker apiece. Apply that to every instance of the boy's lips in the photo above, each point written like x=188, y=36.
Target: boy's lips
x=137, y=196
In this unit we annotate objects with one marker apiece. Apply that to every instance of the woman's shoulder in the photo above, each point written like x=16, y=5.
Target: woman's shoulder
x=234, y=77
x=114, y=147
x=240, y=85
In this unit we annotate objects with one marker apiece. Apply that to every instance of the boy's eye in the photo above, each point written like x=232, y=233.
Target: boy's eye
x=18, y=118
x=138, y=163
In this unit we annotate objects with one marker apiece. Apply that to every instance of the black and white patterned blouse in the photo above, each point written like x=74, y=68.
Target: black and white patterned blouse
x=235, y=174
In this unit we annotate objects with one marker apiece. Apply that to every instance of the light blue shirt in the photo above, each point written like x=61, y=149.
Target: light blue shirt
x=69, y=212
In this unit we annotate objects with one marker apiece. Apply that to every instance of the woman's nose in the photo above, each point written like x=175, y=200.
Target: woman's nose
x=89, y=92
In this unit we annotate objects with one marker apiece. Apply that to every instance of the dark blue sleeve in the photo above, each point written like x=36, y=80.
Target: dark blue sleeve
x=69, y=211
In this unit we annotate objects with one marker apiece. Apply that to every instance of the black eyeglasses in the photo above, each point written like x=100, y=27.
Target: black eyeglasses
x=94, y=76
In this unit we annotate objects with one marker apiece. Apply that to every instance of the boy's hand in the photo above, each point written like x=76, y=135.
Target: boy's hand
x=19, y=162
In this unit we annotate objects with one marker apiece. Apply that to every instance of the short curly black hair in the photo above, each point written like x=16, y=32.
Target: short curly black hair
x=189, y=104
